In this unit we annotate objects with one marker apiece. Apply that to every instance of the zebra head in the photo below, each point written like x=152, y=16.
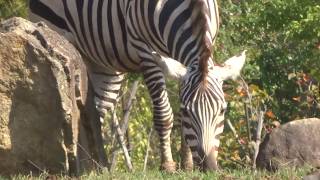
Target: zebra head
x=203, y=106
x=202, y=110
x=201, y=96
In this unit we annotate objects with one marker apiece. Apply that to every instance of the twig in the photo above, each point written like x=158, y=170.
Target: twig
x=90, y=157
x=114, y=155
x=248, y=120
x=129, y=145
x=113, y=134
x=128, y=108
x=249, y=98
x=125, y=121
x=147, y=151
x=232, y=129
x=246, y=87
x=121, y=141
x=258, y=137
x=36, y=166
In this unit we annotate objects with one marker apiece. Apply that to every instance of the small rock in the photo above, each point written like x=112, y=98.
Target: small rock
x=313, y=176
x=293, y=144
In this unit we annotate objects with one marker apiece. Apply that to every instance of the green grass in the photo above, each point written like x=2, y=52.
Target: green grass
x=245, y=174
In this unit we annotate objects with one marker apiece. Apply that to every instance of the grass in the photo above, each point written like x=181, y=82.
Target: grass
x=245, y=174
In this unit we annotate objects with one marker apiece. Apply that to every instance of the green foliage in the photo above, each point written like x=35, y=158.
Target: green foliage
x=283, y=39
x=282, y=69
x=9, y=8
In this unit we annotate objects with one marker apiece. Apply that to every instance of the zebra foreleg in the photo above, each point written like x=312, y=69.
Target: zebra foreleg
x=186, y=155
x=162, y=112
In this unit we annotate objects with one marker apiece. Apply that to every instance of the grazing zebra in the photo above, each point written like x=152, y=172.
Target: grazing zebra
x=153, y=37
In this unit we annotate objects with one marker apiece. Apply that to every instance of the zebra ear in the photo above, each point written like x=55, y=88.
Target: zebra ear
x=172, y=68
x=231, y=68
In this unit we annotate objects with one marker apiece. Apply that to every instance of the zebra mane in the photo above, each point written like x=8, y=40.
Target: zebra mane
x=200, y=28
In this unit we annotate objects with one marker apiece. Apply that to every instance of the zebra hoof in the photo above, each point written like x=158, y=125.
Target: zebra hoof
x=169, y=166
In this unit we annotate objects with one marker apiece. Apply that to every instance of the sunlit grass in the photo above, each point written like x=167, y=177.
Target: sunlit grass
x=246, y=174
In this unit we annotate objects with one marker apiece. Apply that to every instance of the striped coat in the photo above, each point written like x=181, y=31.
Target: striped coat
x=153, y=37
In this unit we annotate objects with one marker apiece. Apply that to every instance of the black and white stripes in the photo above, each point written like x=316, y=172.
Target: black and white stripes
x=122, y=36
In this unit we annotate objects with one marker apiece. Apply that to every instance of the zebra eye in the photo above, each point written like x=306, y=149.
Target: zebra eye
x=222, y=111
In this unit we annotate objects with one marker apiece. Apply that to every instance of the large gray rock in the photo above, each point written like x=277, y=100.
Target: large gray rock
x=294, y=144
x=43, y=92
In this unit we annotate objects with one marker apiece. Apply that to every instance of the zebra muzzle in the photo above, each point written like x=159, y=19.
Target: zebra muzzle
x=210, y=162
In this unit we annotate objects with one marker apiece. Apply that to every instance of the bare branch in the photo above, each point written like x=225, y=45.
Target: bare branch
x=258, y=137
x=232, y=129
x=36, y=166
x=120, y=137
x=114, y=157
x=247, y=112
x=124, y=127
x=147, y=151
x=90, y=157
x=128, y=107
x=248, y=121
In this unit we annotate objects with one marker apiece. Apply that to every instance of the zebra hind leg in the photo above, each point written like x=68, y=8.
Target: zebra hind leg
x=106, y=87
x=162, y=112
x=106, y=90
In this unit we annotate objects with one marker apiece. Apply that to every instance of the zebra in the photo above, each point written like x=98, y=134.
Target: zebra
x=157, y=38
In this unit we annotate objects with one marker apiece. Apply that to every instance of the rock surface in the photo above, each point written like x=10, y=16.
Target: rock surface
x=42, y=86
x=293, y=144
x=312, y=176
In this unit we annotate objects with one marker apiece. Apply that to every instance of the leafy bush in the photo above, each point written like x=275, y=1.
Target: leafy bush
x=282, y=69
x=9, y=8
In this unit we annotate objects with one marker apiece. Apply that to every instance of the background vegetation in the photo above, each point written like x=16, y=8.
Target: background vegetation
x=282, y=73
x=9, y=8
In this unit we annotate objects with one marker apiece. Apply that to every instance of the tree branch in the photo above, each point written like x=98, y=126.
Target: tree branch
x=90, y=157
x=147, y=151
x=121, y=141
x=124, y=127
x=258, y=137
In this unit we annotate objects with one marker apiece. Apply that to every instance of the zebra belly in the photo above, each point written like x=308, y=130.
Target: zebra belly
x=99, y=28
x=96, y=27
